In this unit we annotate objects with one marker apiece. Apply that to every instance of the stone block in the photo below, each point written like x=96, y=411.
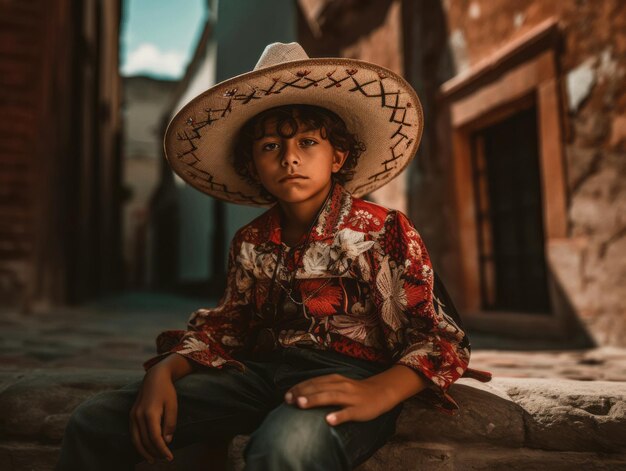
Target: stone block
x=411, y=456
x=526, y=459
x=37, y=405
x=570, y=415
x=17, y=456
x=509, y=423
x=486, y=414
x=581, y=162
x=397, y=454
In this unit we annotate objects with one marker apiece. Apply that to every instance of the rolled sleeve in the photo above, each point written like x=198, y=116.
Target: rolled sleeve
x=213, y=335
x=419, y=332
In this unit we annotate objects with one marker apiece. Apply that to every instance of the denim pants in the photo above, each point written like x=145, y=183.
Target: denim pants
x=226, y=402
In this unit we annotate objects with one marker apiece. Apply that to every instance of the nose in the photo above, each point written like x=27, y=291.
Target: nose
x=290, y=154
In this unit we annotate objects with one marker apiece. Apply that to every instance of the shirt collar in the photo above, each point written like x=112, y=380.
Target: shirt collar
x=331, y=217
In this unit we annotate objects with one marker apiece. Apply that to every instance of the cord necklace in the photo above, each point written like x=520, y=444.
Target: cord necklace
x=289, y=306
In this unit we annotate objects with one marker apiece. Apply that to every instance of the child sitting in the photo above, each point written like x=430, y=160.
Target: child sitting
x=332, y=314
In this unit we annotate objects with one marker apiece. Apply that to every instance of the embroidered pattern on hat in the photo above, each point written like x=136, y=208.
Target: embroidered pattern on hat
x=387, y=96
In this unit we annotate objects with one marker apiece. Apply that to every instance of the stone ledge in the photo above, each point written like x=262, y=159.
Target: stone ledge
x=550, y=414
x=20, y=456
x=537, y=419
x=35, y=405
x=445, y=457
x=487, y=415
x=570, y=415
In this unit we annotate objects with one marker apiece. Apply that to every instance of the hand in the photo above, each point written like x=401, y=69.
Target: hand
x=156, y=402
x=364, y=399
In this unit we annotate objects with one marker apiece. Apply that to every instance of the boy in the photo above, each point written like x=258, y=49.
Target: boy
x=332, y=314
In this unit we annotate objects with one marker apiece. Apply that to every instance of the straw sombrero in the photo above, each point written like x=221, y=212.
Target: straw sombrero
x=378, y=105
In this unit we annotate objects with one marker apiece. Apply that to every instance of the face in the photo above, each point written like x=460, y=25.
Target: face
x=297, y=168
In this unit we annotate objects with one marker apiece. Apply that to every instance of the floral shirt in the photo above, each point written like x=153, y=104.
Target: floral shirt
x=364, y=285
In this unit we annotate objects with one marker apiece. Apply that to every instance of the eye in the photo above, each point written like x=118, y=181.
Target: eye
x=308, y=142
x=268, y=146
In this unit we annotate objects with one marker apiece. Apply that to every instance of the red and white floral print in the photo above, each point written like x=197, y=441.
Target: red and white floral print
x=374, y=297
x=363, y=219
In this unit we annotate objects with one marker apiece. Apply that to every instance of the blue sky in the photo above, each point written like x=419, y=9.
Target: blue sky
x=158, y=36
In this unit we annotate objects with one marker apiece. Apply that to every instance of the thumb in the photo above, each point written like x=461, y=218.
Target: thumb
x=169, y=421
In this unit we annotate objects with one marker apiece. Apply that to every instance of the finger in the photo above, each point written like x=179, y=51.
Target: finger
x=170, y=412
x=311, y=389
x=326, y=398
x=154, y=432
x=340, y=416
x=145, y=437
x=138, y=436
x=317, y=384
x=136, y=439
x=324, y=379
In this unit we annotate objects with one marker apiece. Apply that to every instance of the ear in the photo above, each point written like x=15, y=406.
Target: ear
x=339, y=158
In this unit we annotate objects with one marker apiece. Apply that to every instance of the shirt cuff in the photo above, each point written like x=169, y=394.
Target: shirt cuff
x=438, y=380
x=197, y=347
x=440, y=377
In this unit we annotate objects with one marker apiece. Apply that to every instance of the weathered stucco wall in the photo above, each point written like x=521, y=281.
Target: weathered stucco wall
x=383, y=45
x=592, y=265
x=434, y=41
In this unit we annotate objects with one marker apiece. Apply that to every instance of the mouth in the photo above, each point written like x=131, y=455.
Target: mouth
x=292, y=177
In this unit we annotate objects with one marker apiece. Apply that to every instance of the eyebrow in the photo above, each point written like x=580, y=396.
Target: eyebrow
x=306, y=131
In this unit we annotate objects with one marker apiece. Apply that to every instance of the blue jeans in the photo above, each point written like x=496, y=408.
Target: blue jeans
x=226, y=402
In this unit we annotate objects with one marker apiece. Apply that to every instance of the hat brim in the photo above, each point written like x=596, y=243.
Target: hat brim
x=378, y=105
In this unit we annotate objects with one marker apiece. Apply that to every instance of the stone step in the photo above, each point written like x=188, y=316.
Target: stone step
x=21, y=456
x=411, y=456
x=401, y=456
x=513, y=418
x=550, y=414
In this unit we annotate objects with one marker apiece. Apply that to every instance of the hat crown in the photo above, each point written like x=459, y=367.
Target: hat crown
x=277, y=53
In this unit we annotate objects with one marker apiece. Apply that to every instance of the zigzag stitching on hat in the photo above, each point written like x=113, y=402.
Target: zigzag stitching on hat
x=181, y=155
x=301, y=81
x=337, y=83
x=395, y=109
x=246, y=98
x=206, y=181
x=394, y=156
x=201, y=124
x=404, y=136
x=270, y=90
x=294, y=83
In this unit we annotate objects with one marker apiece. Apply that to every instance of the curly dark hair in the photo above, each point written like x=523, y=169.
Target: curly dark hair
x=288, y=119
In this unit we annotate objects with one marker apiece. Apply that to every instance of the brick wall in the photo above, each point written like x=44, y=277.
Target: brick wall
x=59, y=150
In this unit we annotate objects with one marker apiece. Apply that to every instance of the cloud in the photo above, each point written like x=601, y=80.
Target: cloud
x=149, y=59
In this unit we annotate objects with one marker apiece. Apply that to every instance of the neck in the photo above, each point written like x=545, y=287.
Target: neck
x=297, y=217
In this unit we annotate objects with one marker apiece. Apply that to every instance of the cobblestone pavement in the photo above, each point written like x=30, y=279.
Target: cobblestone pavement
x=117, y=332
x=120, y=332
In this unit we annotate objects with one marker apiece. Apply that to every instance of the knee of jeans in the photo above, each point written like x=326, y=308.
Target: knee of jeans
x=291, y=440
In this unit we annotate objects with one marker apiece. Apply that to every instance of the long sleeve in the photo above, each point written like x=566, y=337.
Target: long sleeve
x=418, y=331
x=214, y=334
